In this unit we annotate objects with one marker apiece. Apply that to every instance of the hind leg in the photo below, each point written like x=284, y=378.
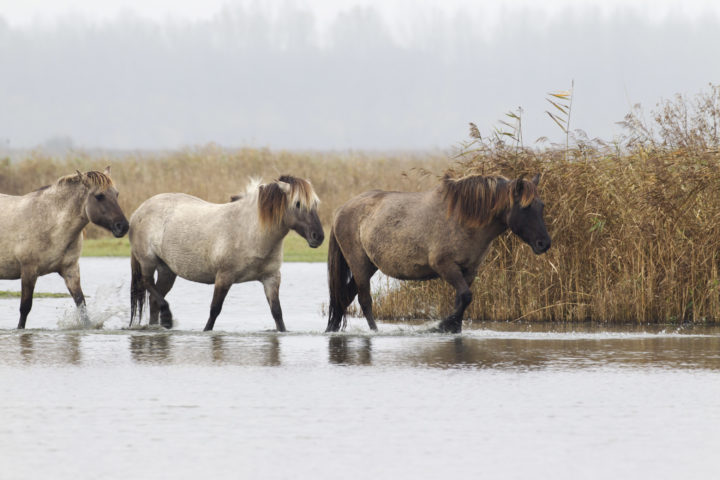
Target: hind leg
x=148, y=278
x=337, y=314
x=363, y=270
x=165, y=281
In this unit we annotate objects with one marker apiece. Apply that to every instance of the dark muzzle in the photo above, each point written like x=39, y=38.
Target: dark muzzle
x=541, y=245
x=120, y=228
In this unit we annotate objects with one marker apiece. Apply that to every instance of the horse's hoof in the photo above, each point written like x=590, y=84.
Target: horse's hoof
x=444, y=327
x=166, y=319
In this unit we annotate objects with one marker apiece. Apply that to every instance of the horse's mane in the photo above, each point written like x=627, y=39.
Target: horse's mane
x=273, y=201
x=475, y=199
x=94, y=178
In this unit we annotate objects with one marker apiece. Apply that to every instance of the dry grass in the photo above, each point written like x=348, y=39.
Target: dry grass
x=635, y=225
x=214, y=173
x=636, y=238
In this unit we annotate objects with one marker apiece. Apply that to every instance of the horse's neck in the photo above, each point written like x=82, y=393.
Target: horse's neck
x=67, y=207
x=265, y=239
x=486, y=234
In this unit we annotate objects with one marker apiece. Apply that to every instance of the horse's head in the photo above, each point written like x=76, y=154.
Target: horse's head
x=292, y=202
x=525, y=215
x=101, y=205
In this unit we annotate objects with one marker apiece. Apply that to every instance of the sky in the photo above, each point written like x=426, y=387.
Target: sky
x=340, y=74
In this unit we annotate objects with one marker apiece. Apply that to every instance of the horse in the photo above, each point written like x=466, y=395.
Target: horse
x=221, y=244
x=444, y=232
x=41, y=232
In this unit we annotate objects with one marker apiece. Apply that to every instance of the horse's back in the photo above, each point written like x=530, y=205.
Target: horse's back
x=193, y=237
x=395, y=230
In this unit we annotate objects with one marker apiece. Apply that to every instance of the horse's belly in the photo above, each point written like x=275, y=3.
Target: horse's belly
x=192, y=273
x=9, y=270
x=408, y=271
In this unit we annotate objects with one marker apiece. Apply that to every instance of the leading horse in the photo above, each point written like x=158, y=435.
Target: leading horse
x=222, y=244
x=41, y=232
x=444, y=232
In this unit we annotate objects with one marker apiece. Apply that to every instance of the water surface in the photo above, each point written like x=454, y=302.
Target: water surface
x=498, y=401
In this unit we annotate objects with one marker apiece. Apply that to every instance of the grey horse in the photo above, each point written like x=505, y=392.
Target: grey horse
x=41, y=232
x=221, y=244
x=444, y=232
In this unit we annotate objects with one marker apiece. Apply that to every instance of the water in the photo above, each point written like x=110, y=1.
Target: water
x=508, y=401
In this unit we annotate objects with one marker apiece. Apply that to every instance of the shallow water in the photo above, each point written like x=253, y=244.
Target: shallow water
x=498, y=401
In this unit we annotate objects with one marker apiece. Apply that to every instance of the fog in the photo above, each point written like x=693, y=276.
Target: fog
x=249, y=76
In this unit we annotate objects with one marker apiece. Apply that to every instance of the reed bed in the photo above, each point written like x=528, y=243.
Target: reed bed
x=636, y=238
x=214, y=173
x=635, y=224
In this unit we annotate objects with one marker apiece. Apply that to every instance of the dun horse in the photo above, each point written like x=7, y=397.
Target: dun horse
x=444, y=232
x=41, y=232
x=221, y=244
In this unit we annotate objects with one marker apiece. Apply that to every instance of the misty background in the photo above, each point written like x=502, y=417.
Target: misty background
x=287, y=77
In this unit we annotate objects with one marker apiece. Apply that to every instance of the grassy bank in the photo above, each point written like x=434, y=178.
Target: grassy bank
x=13, y=294
x=295, y=249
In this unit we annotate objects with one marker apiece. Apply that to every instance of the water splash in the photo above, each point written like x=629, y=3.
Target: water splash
x=108, y=304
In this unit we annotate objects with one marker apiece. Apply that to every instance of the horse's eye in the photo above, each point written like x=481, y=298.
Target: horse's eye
x=297, y=204
x=100, y=197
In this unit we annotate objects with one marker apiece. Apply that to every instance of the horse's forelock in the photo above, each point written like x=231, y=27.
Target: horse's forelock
x=93, y=178
x=301, y=191
x=528, y=192
x=273, y=201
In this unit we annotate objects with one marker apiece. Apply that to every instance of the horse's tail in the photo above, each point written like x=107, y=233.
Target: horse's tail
x=341, y=283
x=138, y=294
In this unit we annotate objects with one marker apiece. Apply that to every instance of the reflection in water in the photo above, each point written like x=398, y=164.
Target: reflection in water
x=61, y=349
x=27, y=346
x=345, y=350
x=261, y=351
x=567, y=354
x=486, y=349
x=150, y=348
x=203, y=349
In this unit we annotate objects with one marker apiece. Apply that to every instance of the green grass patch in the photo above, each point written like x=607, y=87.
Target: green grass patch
x=8, y=294
x=295, y=249
x=106, y=247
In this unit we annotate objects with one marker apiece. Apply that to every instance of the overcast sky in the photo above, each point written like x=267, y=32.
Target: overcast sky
x=337, y=74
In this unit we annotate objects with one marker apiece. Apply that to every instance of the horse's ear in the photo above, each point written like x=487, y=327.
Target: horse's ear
x=107, y=170
x=536, y=179
x=81, y=177
x=518, y=187
x=284, y=186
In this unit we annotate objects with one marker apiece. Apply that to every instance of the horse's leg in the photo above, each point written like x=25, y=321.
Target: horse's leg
x=28, y=279
x=165, y=281
x=362, y=273
x=452, y=274
x=71, y=275
x=365, y=300
x=271, y=285
x=221, y=289
x=149, y=282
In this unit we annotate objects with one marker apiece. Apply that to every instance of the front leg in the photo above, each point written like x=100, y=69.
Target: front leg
x=221, y=290
x=71, y=276
x=453, y=275
x=28, y=279
x=271, y=285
